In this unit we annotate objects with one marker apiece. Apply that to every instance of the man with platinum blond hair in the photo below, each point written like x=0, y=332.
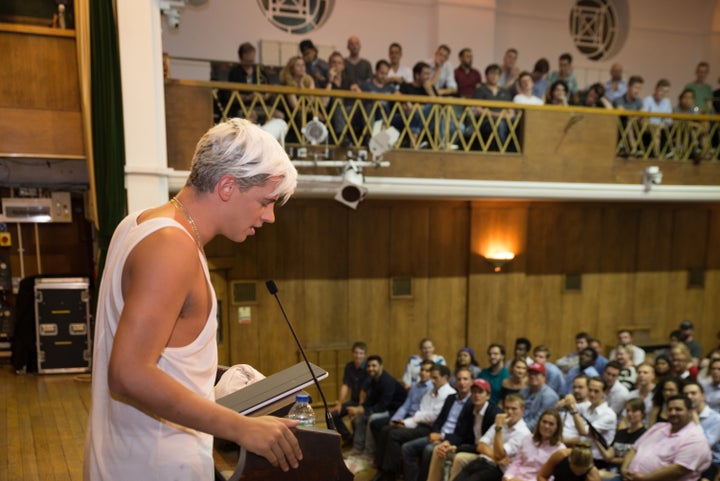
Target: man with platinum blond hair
x=153, y=410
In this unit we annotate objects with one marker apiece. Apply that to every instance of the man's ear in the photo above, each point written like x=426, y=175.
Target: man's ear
x=225, y=186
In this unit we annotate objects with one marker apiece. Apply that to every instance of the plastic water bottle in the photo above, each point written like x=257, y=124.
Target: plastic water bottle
x=302, y=410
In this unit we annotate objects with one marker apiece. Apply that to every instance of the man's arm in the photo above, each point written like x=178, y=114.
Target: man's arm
x=344, y=389
x=672, y=472
x=166, y=305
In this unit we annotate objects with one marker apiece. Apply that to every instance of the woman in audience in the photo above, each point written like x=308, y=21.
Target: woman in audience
x=412, y=369
x=662, y=368
x=671, y=386
x=535, y=450
x=466, y=359
x=703, y=376
x=567, y=464
x=294, y=75
x=517, y=380
x=557, y=94
x=624, y=438
x=628, y=372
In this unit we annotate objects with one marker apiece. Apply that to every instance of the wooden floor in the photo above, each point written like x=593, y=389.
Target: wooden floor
x=42, y=425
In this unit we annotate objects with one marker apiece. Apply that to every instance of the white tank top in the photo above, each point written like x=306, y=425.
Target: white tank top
x=123, y=442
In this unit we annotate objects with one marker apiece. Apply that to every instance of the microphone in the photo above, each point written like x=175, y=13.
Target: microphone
x=273, y=290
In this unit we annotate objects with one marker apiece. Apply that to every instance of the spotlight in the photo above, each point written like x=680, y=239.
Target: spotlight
x=277, y=128
x=652, y=175
x=315, y=132
x=351, y=191
x=382, y=141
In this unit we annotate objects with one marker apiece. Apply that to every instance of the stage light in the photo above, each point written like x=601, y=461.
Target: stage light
x=351, y=191
x=383, y=141
x=315, y=132
x=277, y=128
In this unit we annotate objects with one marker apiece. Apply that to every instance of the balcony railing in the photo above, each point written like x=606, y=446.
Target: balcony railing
x=453, y=124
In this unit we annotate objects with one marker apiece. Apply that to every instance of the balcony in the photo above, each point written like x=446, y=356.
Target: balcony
x=459, y=148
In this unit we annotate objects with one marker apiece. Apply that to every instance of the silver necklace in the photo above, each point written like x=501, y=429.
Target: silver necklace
x=176, y=202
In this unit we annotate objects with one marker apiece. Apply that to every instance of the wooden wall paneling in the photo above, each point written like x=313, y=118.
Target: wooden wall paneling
x=682, y=303
x=40, y=72
x=544, y=308
x=713, y=254
x=650, y=307
x=543, y=248
x=40, y=131
x=707, y=329
x=654, y=238
x=188, y=115
x=618, y=246
x=689, y=237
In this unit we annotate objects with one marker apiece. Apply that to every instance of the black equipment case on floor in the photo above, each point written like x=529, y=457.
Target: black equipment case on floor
x=62, y=317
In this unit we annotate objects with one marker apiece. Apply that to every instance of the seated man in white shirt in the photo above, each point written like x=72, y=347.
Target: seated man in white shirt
x=525, y=87
x=625, y=339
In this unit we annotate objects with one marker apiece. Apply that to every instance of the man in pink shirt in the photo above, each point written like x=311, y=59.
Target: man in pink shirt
x=676, y=450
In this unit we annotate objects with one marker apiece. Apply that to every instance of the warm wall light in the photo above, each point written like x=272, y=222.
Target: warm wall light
x=499, y=259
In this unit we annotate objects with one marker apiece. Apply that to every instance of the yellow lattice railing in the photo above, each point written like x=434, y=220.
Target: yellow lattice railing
x=445, y=124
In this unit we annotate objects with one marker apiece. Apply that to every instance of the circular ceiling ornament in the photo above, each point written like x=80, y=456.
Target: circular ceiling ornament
x=599, y=27
x=297, y=16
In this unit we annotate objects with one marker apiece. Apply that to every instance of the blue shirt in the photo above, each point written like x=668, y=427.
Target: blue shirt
x=536, y=403
x=575, y=372
x=412, y=401
x=710, y=422
x=555, y=378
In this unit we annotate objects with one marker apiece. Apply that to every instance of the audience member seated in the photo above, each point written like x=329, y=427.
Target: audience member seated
x=442, y=76
x=703, y=375
x=518, y=379
x=691, y=135
x=454, y=424
x=658, y=102
x=601, y=361
x=557, y=94
x=682, y=363
x=663, y=367
x=465, y=359
x=525, y=87
x=247, y=72
x=467, y=78
x=624, y=438
x=701, y=89
x=521, y=351
x=403, y=428
x=354, y=376
x=421, y=85
x=631, y=101
x=594, y=96
x=412, y=369
x=645, y=388
x=615, y=392
x=509, y=71
x=710, y=423
x=712, y=387
x=572, y=359
x=555, y=378
x=496, y=371
x=687, y=329
x=568, y=405
x=588, y=356
x=338, y=108
x=294, y=75
x=484, y=412
x=538, y=395
x=397, y=73
x=564, y=72
x=596, y=423
x=357, y=68
x=383, y=395
x=378, y=84
x=574, y=464
x=674, y=450
x=628, y=372
x=316, y=67
x=616, y=86
x=494, y=119
x=625, y=339
x=666, y=389
x=536, y=450
x=539, y=75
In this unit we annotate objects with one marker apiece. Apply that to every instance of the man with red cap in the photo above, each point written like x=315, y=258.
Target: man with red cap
x=538, y=395
x=484, y=412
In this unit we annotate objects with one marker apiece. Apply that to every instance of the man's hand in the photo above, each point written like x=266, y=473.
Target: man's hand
x=500, y=420
x=435, y=438
x=271, y=438
x=444, y=448
x=336, y=408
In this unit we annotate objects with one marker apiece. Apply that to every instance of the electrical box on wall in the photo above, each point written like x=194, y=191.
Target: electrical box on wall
x=56, y=208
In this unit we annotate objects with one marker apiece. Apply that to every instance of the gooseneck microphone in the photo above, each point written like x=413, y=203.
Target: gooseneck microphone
x=272, y=288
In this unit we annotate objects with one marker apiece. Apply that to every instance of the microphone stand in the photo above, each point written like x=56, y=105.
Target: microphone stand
x=272, y=288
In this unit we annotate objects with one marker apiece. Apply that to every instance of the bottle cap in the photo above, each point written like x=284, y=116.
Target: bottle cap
x=302, y=398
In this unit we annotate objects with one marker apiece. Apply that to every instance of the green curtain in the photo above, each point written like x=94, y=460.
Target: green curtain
x=107, y=124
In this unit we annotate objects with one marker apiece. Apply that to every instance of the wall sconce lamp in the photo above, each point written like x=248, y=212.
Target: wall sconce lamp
x=499, y=259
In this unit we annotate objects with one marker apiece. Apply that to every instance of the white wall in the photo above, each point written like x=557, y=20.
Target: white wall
x=667, y=38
